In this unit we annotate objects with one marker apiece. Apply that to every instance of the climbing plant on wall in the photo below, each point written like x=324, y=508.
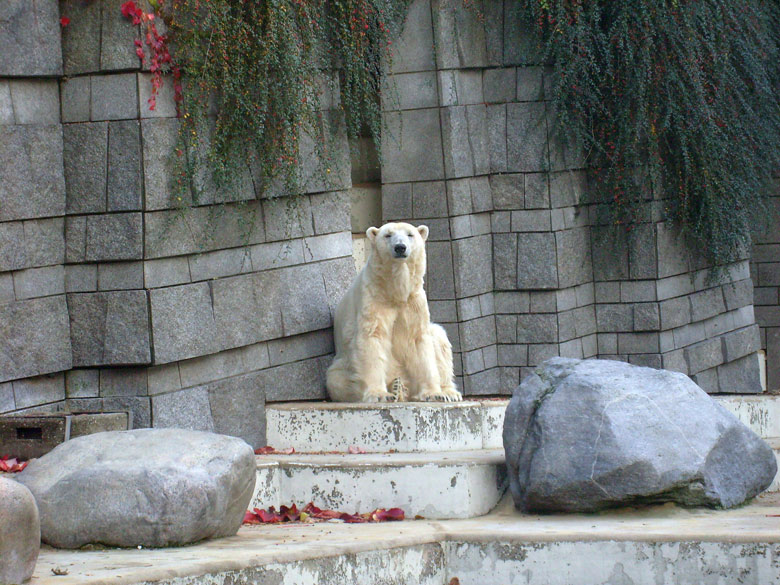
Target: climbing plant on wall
x=672, y=98
x=255, y=73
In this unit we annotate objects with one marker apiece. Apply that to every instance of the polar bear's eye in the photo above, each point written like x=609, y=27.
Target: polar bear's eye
x=388, y=235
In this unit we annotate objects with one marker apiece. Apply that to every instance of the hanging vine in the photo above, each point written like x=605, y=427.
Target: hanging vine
x=676, y=100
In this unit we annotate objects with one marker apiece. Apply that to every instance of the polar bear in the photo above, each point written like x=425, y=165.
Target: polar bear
x=387, y=349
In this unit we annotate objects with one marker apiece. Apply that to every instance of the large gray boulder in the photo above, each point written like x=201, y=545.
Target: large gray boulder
x=20, y=533
x=582, y=435
x=149, y=487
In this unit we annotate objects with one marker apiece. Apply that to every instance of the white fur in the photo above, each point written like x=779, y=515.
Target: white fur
x=383, y=328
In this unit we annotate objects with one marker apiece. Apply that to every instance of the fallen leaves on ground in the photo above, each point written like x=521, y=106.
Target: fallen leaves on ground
x=268, y=450
x=11, y=464
x=311, y=513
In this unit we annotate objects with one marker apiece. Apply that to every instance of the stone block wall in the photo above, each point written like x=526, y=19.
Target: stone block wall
x=520, y=268
x=114, y=298
x=765, y=271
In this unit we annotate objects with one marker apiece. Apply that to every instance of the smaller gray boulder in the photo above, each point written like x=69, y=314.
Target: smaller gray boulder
x=583, y=435
x=20, y=533
x=148, y=487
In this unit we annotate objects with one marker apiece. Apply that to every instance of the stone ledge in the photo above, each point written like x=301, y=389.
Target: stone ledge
x=259, y=552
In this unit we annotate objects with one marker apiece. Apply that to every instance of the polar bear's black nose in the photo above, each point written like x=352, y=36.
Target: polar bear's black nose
x=400, y=249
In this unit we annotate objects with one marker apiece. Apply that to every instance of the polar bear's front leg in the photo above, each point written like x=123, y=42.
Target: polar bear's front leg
x=371, y=363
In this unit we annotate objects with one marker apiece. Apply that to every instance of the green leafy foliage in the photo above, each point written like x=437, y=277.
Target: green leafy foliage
x=254, y=76
x=674, y=100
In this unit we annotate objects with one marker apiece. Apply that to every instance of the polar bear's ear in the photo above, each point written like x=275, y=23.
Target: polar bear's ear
x=423, y=229
x=371, y=233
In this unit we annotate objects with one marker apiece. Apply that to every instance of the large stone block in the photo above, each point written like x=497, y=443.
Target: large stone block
x=116, y=236
x=537, y=328
x=459, y=35
x=41, y=390
x=473, y=265
x=114, y=97
x=305, y=307
x=505, y=261
x=415, y=49
x=324, y=158
x=459, y=87
x=39, y=282
x=412, y=146
x=185, y=409
x=30, y=37
x=75, y=99
x=238, y=408
x=742, y=376
x=183, y=322
x=497, y=139
x=706, y=304
x=574, y=259
x=741, y=342
x=302, y=380
x=440, y=280
x=536, y=261
x=124, y=183
x=36, y=338
x=85, y=152
x=120, y=276
x=247, y=308
x=526, y=131
x=508, y=191
x=31, y=243
x=108, y=328
x=200, y=229
x=159, y=140
x=410, y=91
x=81, y=38
x=704, y=355
x=35, y=101
x=330, y=212
x=117, y=50
x=33, y=183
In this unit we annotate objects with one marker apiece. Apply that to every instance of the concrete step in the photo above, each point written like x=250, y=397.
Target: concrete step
x=406, y=427
x=655, y=544
x=760, y=412
x=457, y=484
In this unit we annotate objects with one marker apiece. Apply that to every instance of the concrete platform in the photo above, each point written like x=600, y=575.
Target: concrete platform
x=759, y=412
x=453, y=484
x=407, y=427
x=660, y=544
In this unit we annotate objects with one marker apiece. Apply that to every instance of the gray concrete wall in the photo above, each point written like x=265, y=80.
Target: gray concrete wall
x=520, y=269
x=112, y=299
x=765, y=271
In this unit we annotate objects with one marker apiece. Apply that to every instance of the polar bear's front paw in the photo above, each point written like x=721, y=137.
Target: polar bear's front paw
x=380, y=396
x=442, y=395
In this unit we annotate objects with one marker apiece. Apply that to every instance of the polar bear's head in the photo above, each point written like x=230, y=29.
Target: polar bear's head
x=398, y=241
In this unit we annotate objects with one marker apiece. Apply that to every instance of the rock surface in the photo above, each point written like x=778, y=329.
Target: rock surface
x=583, y=435
x=20, y=533
x=149, y=487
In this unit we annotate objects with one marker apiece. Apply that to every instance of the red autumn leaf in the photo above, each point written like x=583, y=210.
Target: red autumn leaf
x=290, y=514
x=391, y=515
x=251, y=518
x=64, y=21
x=354, y=450
x=454, y=581
x=268, y=450
x=11, y=465
x=313, y=513
x=352, y=518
